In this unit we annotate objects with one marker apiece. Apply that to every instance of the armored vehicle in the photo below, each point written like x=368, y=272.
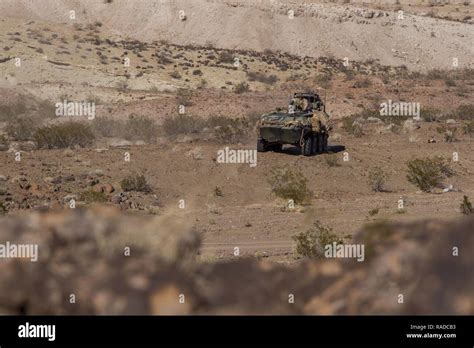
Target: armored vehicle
x=305, y=124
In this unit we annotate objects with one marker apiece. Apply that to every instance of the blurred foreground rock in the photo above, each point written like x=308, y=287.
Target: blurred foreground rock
x=114, y=263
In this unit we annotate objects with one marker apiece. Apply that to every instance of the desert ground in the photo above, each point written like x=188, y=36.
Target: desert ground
x=175, y=82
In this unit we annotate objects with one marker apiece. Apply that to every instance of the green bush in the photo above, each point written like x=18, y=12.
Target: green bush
x=64, y=135
x=428, y=173
x=288, y=183
x=135, y=182
x=311, y=243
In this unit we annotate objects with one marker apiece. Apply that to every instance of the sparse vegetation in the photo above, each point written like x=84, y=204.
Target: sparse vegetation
x=3, y=208
x=91, y=196
x=183, y=97
x=332, y=160
x=107, y=126
x=68, y=134
x=428, y=173
x=373, y=212
x=182, y=124
x=241, y=87
x=135, y=182
x=377, y=179
x=323, y=80
x=363, y=83
x=374, y=234
x=289, y=183
x=226, y=57
x=22, y=128
x=122, y=85
x=449, y=133
x=261, y=77
x=469, y=128
x=352, y=126
x=218, y=191
x=466, y=206
x=140, y=128
x=7, y=112
x=311, y=243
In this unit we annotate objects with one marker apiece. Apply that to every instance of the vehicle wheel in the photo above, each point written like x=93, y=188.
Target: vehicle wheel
x=262, y=145
x=314, y=147
x=306, y=150
x=276, y=147
x=325, y=143
x=320, y=143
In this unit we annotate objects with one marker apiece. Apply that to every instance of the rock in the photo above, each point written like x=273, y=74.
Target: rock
x=184, y=139
x=140, y=143
x=195, y=153
x=19, y=178
x=410, y=126
x=374, y=120
x=24, y=185
x=68, y=198
x=121, y=144
x=104, y=188
x=68, y=152
x=97, y=172
x=368, y=14
x=451, y=121
x=48, y=179
x=28, y=146
x=335, y=136
x=3, y=147
x=3, y=191
x=128, y=265
x=3, y=178
x=119, y=198
x=101, y=150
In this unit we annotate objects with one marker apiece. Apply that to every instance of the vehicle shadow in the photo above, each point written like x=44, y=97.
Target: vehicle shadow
x=296, y=151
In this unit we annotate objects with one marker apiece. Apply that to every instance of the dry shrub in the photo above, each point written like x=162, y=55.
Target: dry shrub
x=289, y=183
x=428, y=173
x=311, y=243
x=135, y=182
x=377, y=179
x=64, y=135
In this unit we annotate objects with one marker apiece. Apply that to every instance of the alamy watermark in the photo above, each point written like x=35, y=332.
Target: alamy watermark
x=27, y=251
x=70, y=108
x=407, y=109
x=247, y=156
x=336, y=250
